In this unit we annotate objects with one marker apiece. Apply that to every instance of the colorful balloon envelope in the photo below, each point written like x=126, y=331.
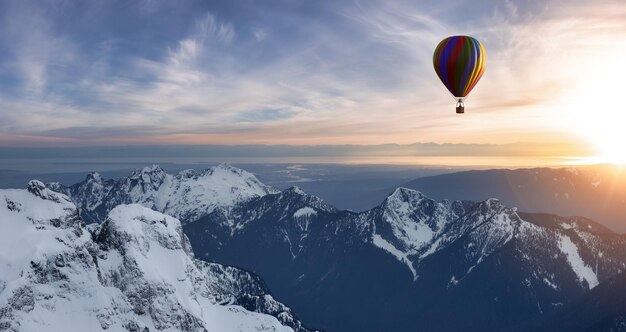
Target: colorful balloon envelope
x=460, y=63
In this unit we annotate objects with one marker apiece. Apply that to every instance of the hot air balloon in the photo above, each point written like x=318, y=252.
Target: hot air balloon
x=460, y=62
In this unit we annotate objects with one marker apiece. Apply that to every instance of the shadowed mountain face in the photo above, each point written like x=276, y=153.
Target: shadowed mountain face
x=596, y=192
x=603, y=309
x=411, y=263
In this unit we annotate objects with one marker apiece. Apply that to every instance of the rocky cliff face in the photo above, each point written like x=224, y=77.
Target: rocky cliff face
x=134, y=272
x=412, y=262
x=187, y=195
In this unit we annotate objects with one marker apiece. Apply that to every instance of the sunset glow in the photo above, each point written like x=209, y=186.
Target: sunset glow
x=598, y=106
x=360, y=73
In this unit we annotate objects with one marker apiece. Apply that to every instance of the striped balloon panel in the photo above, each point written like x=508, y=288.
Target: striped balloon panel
x=459, y=62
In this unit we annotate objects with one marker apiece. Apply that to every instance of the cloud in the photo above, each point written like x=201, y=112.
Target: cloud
x=320, y=73
x=92, y=132
x=210, y=28
x=187, y=50
x=259, y=34
x=37, y=51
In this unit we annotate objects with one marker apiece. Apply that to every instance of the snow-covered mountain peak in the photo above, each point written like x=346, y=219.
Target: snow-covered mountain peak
x=235, y=177
x=38, y=189
x=407, y=223
x=188, y=196
x=154, y=169
x=407, y=207
x=411, y=226
x=148, y=177
x=404, y=199
x=290, y=211
x=491, y=207
x=493, y=203
x=226, y=167
x=296, y=197
x=186, y=174
x=295, y=190
x=94, y=177
x=136, y=273
x=33, y=222
x=454, y=252
x=404, y=193
x=145, y=228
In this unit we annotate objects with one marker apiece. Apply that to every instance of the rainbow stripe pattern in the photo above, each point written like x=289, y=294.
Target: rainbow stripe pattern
x=460, y=62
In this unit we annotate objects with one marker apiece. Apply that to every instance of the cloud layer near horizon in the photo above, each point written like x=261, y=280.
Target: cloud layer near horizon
x=290, y=72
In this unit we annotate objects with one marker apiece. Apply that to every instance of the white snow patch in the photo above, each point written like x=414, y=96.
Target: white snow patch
x=582, y=270
x=187, y=196
x=405, y=225
x=453, y=282
x=433, y=248
x=40, y=228
x=305, y=212
x=401, y=256
x=550, y=283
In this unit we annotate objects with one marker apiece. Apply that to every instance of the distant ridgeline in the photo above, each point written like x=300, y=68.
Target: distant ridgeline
x=411, y=263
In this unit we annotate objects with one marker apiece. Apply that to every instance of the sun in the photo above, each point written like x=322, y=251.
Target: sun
x=596, y=109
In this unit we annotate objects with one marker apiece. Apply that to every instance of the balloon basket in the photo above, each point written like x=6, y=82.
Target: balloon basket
x=460, y=106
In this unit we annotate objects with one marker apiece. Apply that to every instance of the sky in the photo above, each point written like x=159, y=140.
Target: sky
x=114, y=73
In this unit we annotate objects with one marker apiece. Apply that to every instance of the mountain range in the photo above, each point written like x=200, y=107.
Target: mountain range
x=187, y=195
x=135, y=271
x=597, y=192
x=410, y=263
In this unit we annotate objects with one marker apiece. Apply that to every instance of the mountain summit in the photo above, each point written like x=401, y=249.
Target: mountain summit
x=133, y=272
x=187, y=195
x=411, y=263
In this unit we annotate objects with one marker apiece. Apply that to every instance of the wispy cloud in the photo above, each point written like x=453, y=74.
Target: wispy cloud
x=318, y=73
x=36, y=53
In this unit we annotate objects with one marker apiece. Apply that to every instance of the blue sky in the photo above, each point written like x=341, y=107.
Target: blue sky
x=292, y=72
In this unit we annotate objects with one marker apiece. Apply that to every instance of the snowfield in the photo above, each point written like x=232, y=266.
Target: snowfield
x=187, y=195
x=133, y=272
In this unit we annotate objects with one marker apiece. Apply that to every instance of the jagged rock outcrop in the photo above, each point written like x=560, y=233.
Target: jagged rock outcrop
x=134, y=272
x=187, y=195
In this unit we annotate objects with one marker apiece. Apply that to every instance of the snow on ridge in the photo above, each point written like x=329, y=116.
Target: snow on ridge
x=403, y=213
x=21, y=213
x=409, y=225
x=403, y=193
x=306, y=211
x=381, y=243
x=187, y=195
x=55, y=276
x=296, y=190
x=187, y=173
x=583, y=271
x=94, y=176
x=416, y=226
x=150, y=169
x=38, y=189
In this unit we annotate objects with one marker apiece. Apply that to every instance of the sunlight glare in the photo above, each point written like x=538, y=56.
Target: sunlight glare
x=597, y=107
